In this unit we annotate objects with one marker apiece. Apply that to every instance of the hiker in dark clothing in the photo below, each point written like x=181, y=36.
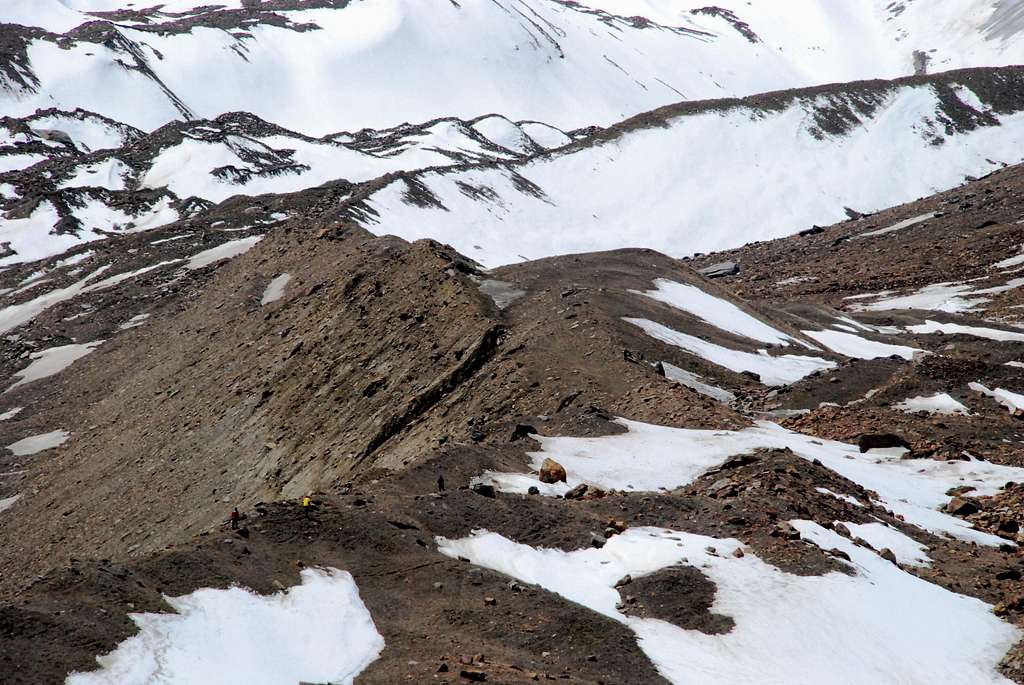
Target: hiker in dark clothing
x=234, y=518
x=440, y=483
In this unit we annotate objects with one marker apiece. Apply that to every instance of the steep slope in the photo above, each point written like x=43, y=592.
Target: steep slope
x=564, y=63
x=697, y=177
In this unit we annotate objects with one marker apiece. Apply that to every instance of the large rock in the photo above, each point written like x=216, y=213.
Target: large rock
x=552, y=472
x=961, y=506
x=720, y=270
x=872, y=441
x=577, y=492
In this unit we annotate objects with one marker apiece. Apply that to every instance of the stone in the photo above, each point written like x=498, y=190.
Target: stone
x=484, y=490
x=872, y=441
x=722, y=486
x=577, y=492
x=720, y=270
x=887, y=554
x=522, y=430
x=473, y=675
x=533, y=490
x=617, y=526
x=786, y=531
x=836, y=552
x=552, y=472
x=961, y=507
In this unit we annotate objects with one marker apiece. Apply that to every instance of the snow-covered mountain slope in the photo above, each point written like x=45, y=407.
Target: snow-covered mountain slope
x=695, y=178
x=844, y=38
x=72, y=177
x=332, y=65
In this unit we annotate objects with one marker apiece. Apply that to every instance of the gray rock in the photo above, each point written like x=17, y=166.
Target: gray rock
x=720, y=270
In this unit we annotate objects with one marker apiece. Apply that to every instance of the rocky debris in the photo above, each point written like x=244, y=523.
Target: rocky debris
x=786, y=531
x=1000, y=514
x=722, y=487
x=577, y=492
x=552, y=472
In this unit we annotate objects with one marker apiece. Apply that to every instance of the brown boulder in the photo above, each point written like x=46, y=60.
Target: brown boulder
x=552, y=472
x=961, y=507
x=577, y=492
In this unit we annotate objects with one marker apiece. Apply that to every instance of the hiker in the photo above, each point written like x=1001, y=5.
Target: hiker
x=307, y=503
x=440, y=483
x=234, y=518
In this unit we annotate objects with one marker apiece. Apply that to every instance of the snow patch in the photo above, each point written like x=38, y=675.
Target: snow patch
x=133, y=322
x=846, y=498
x=913, y=221
x=780, y=370
x=275, y=289
x=695, y=382
x=851, y=345
x=880, y=536
x=316, y=632
x=1011, y=400
x=38, y=443
x=52, y=361
x=10, y=413
x=714, y=310
x=1011, y=262
x=940, y=403
x=227, y=250
x=976, y=331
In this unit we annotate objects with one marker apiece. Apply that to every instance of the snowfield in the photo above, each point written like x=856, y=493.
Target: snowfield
x=220, y=159
x=316, y=632
x=711, y=178
x=879, y=625
x=564, y=64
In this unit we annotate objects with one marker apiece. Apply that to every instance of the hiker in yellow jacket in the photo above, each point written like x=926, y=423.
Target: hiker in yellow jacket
x=307, y=504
